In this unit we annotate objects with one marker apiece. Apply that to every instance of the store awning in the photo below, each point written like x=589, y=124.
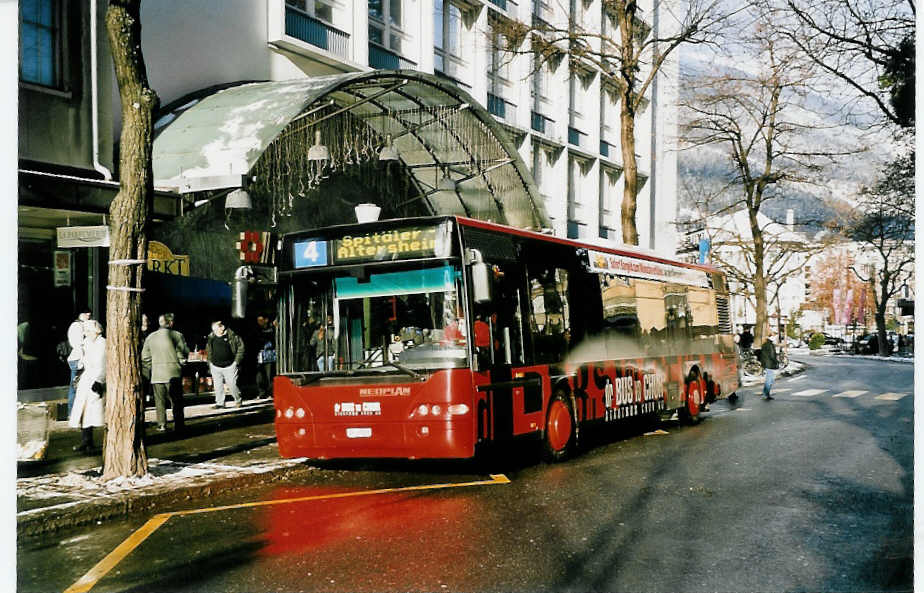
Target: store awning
x=258, y=134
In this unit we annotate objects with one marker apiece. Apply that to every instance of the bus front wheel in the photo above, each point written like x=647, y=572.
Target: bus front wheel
x=560, y=429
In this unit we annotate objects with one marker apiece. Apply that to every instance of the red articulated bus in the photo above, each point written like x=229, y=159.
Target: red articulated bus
x=428, y=337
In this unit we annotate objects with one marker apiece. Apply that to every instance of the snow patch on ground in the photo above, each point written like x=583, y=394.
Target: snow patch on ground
x=162, y=475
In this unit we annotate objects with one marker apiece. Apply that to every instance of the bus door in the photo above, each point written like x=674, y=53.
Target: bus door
x=502, y=316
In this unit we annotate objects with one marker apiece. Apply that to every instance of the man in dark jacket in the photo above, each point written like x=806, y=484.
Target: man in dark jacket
x=771, y=364
x=163, y=353
x=224, y=350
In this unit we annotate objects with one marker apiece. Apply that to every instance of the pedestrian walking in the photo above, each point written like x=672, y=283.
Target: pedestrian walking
x=266, y=355
x=75, y=337
x=162, y=356
x=88, y=410
x=770, y=362
x=224, y=350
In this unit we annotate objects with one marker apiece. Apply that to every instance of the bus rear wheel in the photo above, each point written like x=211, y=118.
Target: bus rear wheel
x=560, y=436
x=689, y=413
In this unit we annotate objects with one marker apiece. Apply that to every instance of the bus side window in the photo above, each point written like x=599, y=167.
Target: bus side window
x=620, y=309
x=549, y=313
x=702, y=307
x=652, y=315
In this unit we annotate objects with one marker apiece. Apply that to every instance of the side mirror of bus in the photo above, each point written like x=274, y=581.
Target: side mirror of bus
x=481, y=282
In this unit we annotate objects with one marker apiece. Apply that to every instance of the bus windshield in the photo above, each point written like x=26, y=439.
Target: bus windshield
x=411, y=318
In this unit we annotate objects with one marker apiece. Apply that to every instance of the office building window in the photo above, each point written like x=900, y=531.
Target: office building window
x=447, y=35
x=500, y=59
x=319, y=9
x=385, y=22
x=41, y=43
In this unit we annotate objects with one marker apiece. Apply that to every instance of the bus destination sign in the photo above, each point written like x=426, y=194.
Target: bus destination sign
x=610, y=263
x=406, y=243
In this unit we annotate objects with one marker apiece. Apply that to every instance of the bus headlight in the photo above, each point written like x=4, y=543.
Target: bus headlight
x=435, y=410
x=300, y=413
x=423, y=410
x=289, y=412
x=458, y=409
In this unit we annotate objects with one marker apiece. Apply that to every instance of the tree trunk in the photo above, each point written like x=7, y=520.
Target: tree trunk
x=760, y=281
x=124, y=453
x=881, y=305
x=630, y=171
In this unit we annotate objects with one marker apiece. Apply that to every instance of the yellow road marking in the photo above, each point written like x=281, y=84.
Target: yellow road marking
x=87, y=581
x=495, y=479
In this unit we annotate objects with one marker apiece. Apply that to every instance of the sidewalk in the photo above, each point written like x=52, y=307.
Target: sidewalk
x=907, y=358
x=220, y=449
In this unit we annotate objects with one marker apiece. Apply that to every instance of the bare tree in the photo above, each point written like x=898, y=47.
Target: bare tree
x=761, y=122
x=627, y=51
x=884, y=222
x=866, y=44
x=124, y=453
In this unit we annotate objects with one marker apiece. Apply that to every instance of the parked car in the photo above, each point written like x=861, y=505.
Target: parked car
x=833, y=341
x=869, y=344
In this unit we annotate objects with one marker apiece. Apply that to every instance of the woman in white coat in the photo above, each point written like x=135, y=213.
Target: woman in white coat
x=88, y=402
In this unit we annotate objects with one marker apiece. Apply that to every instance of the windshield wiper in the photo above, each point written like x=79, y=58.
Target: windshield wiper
x=405, y=370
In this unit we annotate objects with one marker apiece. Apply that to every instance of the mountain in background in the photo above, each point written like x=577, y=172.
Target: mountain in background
x=705, y=170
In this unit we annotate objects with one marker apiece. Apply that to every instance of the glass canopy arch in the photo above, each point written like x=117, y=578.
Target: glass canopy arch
x=459, y=159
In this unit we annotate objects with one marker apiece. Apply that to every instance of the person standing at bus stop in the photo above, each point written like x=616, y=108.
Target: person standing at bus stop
x=224, y=350
x=770, y=362
x=162, y=355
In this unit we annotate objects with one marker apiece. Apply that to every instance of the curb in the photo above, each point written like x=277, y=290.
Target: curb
x=45, y=520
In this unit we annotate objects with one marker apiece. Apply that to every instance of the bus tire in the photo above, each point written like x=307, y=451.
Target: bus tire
x=560, y=435
x=689, y=413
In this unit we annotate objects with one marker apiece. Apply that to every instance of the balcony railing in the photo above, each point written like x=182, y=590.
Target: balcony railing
x=318, y=33
x=385, y=59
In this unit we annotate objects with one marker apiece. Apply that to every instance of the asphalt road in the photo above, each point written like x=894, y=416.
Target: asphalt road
x=810, y=492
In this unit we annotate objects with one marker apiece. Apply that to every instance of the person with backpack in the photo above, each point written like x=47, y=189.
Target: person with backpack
x=265, y=343
x=72, y=352
x=771, y=363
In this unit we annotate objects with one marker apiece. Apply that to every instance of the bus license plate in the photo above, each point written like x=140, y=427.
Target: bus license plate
x=359, y=433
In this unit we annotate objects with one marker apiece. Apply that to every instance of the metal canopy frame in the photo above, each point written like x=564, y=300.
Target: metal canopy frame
x=225, y=134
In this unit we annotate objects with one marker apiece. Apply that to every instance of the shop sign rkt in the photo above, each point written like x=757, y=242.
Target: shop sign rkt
x=161, y=259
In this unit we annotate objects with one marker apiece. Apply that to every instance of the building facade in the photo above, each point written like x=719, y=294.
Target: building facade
x=573, y=152
x=561, y=119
